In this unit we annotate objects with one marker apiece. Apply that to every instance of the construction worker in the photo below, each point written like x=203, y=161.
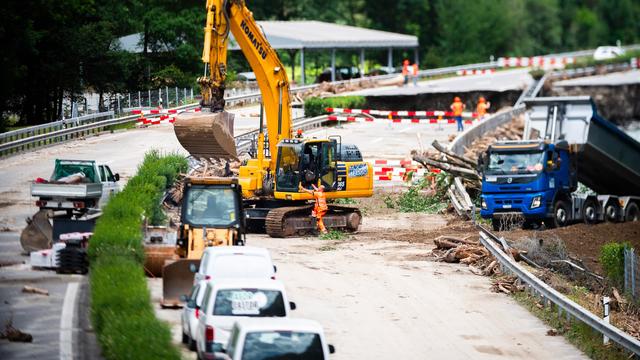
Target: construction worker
x=415, y=74
x=405, y=71
x=457, y=107
x=482, y=107
x=320, y=208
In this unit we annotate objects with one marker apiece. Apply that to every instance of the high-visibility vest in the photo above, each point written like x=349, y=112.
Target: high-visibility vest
x=321, y=201
x=415, y=69
x=481, y=109
x=405, y=69
x=457, y=108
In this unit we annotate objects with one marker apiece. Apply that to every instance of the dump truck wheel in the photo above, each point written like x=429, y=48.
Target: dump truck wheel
x=560, y=213
x=590, y=212
x=495, y=224
x=632, y=213
x=611, y=212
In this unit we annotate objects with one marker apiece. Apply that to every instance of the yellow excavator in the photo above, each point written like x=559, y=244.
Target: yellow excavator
x=270, y=180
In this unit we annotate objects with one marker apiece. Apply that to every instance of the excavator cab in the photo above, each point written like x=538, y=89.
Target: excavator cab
x=305, y=162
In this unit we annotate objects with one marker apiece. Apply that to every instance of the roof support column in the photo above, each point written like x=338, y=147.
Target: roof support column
x=416, y=57
x=292, y=55
x=333, y=64
x=302, y=77
x=362, y=62
x=390, y=57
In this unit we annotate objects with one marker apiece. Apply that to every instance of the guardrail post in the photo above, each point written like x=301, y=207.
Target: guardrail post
x=149, y=98
x=139, y=100
x=627, y=269
x=605, y=304
x=633, y=272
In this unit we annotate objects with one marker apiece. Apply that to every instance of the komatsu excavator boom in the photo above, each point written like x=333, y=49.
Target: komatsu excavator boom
x=270, y=181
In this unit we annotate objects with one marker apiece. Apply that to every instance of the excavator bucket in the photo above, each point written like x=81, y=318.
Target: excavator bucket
x=177, y=280
x=155, y=256
x=38, y=235
x=206, y=134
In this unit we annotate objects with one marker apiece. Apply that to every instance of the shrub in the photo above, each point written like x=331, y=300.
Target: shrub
x=316, y=106
x=612, y=260
x=120, y=302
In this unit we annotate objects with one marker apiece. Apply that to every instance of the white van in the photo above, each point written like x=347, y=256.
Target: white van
x=225, y=301
x=259, y=339
x=233, y=262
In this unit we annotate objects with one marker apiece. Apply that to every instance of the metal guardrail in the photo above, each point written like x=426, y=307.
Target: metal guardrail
x=28, y=132
x=549, y=294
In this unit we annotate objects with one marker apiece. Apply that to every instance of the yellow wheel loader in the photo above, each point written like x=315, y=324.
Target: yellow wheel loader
x=270, y=181
x=210, y=215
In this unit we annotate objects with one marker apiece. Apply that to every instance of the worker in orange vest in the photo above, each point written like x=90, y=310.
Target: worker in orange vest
x=320, y=208
x=457, y=107
x=405, y=71
x=415, y=74
x=482, y=107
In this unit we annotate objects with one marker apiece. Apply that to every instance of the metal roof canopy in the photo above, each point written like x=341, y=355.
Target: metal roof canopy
x=305, y=34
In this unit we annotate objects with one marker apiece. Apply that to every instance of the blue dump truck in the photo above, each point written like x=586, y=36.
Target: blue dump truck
x=565, y=142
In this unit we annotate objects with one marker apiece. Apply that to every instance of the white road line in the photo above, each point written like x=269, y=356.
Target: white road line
x=66, y=321
x=376, y=140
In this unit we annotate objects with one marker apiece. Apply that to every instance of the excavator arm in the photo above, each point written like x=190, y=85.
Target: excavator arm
x=232, y=16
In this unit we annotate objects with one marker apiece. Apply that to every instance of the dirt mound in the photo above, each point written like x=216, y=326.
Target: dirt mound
x=585, y=241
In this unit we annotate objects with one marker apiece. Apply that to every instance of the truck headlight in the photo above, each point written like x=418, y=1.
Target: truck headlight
x=483, y=204
x=535, y=203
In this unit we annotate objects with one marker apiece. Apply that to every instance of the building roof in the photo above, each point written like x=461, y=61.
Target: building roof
x=306, y=34
x=321, y=35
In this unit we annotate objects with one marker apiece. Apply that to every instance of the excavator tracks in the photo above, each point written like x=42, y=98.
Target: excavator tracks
x=297, y=220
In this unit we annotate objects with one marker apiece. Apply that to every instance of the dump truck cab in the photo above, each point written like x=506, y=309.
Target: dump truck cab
x=524, y=178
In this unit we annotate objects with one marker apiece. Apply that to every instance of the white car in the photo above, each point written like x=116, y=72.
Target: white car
x=259, y=339
x=191, y=313
x=232, y=262
x=225, y=301
x=607, y=52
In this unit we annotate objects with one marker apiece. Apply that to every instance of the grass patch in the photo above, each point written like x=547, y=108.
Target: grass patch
x=576, y=332
x=316, y=106
x=327, y=248
x=612, y=260
x=416, y=199
x=123, y=126
x=121, y=308
x=333, y=234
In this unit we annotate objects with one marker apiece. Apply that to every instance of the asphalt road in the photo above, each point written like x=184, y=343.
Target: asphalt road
x=499, y=81
x=372, y=305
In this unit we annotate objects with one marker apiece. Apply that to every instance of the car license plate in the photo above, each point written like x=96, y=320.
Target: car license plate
x=506, y=206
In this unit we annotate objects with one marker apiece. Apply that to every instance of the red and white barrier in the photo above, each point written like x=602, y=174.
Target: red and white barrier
x=535, y=61
x=397, y=120
x=475, y=72
x=397, y=170
x=398, y=112
x=167, y=116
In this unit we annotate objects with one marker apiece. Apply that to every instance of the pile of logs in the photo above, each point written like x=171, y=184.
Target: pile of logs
x=456, y=165
x=507, y=284
x=203, y=168
x=452, y=249
x=514, y=130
